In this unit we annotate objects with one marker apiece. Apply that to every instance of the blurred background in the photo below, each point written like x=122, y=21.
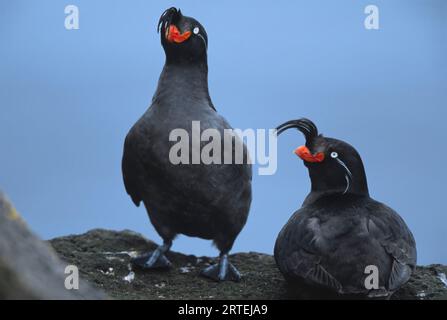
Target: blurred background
x=69, y=97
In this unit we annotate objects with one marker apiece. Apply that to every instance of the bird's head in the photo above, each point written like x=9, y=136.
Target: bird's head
x=334, y=165
x=183, y=38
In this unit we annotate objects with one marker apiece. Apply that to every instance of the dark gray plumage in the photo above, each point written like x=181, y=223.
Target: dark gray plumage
x=339, y=231
x=207, y=201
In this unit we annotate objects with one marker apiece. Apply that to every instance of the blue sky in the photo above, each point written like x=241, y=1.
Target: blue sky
x=68, y=98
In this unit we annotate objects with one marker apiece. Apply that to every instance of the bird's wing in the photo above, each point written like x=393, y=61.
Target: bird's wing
x=300, y=256
x=397, y=240
x=130, y=167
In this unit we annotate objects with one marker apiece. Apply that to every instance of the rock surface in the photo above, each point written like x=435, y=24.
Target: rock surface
x=29, y=268
x=103, y=258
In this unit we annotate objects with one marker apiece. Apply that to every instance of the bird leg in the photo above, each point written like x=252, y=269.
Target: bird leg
x=155, y=259
x=222, y=271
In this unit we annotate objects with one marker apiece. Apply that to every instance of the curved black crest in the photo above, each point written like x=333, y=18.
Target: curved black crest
x=168, y=17
x=306, y=126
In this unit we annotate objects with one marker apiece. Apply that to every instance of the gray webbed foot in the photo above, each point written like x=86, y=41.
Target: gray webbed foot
x=155, y=259
x=223, y=271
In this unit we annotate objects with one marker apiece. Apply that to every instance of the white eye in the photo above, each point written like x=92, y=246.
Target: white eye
x=334, y=155
x=196, y=30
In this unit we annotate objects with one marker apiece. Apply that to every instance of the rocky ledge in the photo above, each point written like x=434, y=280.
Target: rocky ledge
x=33, y=269
x=103, y=258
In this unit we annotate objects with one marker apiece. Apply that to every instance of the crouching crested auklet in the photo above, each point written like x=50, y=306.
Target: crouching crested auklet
x=341, y=234
x=209, y=201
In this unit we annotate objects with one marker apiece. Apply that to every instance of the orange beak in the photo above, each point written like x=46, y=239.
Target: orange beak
x=304, y=153
x=173, y=35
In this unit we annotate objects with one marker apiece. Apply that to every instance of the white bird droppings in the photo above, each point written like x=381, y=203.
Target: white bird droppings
x=108, y=272
x=130, y=277
x=185, y=270
x=132, y=254
x=421, y=295
x=443, y=278
x=160, y=285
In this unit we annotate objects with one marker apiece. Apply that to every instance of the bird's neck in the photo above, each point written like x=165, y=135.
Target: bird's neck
x=358, y=185
x=328, y=197
x=184, y=81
